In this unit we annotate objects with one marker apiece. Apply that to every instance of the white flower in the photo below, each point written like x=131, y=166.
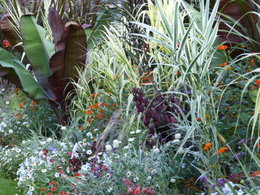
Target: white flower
x=7, y=102
x=57, y=175
x=156, y=150
x=128, y=174
x=149, y=178
x=43, y=143
x=172, y=180
x=138, y=131
x=89, y=152
x=136, y=179
x=49, y=139
x=132, y=132
x=89, y=134
x=63, y=128
x=131, y=139
x=44, y=170
x=10, y=131
x=154, y=171
x=108, y=147
x=178, y=136
x=116, y=143
x=109, y=189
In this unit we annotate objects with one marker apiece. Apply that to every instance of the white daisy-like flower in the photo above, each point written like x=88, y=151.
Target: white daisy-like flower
x=177, y=136
x=108, y=147
x=131, y=139
x=116, y=143
x=44, y=170
x=89, y=152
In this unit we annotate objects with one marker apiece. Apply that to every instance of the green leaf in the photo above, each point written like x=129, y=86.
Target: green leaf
x=11, y=68
x=253, y=94
x=37, y=48
x=94, y=34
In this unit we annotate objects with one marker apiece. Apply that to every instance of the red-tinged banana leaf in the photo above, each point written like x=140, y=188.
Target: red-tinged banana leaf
x=13, y=70
x=64, y=63
x=57, y=26
x=38, y=51
x=8, y=30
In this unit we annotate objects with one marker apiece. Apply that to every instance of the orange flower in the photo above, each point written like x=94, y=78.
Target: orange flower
x=88, y=112
x=255, y=173
x=104, y=104
x=252, y=61
x=100, y=115
x=90, y=120
x=228, y=68
x=222, y=47
x=34, y=103
x=49, y=193
x=224, y=64
x=95, y=106
x=6, y=43
x=257, y=82
x=21, y=105
x=17, y=90
x=207, y=146
x=198, y=119
x=81, y=128
x=221, y=150
x=53, y=100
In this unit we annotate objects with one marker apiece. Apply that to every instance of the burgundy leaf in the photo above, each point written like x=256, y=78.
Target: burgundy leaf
x=64, y=63
x=57, y=25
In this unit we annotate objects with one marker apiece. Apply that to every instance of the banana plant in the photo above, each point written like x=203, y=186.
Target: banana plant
x=54, y=64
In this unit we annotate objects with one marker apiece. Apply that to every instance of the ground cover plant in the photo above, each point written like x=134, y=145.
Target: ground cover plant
x=132, y=97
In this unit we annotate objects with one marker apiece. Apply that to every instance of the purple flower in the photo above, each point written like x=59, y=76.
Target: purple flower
x=220, y=182
x=242, y=141
x=238, y=155
x=203, y=179
x=52, y=148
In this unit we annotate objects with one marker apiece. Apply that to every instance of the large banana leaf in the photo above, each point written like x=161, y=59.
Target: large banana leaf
x=57, y=26
x=38, y=50
x=12, y=69
x=64, y=63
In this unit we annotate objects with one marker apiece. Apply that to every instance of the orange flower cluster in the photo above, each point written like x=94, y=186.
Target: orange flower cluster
x=207, y=146
x=223, y=65
x=257, y=82
x=6, y=43
x=147, y=77
x=19, y=116
x=21, y=106
x=222, y=47
x=221, y=150
x=255, y=173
